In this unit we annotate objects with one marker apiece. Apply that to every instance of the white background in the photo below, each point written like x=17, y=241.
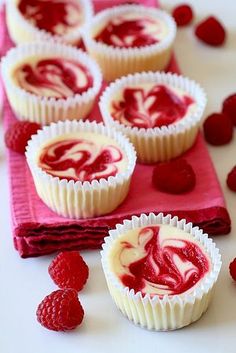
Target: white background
x=23, y=283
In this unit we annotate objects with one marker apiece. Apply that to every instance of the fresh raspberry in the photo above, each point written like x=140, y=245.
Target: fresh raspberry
x=211, y=31
x=174, y=177
x=229, y=107
x=218, y=129
x=18, y=134
x=60, y=311
x=68, y=270
x=231, y=179
x=183, y=15
x=232, y=269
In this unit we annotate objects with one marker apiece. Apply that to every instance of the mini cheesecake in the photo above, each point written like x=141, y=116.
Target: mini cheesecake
x=160, y=271
x=159, y=112
x=131, y=38
x=81, y=169
x=83, y=156
x=52, y=77
x=47, y=81
x=151, y=105
x=44, y=19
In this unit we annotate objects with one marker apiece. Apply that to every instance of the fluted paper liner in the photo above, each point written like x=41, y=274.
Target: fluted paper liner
x=80, y=199
x=160, y=143
x=22, y=30
x=168, y=312
x=116, y=62
x=44, y=110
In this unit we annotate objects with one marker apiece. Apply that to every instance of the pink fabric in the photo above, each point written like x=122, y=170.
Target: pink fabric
x=38, y=231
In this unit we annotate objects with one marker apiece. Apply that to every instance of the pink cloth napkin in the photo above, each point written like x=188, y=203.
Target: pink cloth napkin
x=38, y=231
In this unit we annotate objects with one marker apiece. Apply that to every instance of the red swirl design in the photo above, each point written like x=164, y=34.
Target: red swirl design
x=80, y=159
x=160, y=267
x=156, y=107
x=128, y=33
x=59, y=78
x=57, y=16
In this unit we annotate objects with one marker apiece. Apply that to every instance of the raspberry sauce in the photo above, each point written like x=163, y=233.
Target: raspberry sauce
x=130, y=31
x=149, y=108
x=80, y=159
x=57, y=16
x=163, y=265
x=54, y=77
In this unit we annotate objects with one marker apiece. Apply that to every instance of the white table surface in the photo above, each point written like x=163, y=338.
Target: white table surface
x=25, y=282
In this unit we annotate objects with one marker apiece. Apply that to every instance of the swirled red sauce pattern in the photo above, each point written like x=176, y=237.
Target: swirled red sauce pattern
x=156, y=107
x=160, y=267
x=54, y=16
x=80, y=159
x=54, y=77
x=128, y=33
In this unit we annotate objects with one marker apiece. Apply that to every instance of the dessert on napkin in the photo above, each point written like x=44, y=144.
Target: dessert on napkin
x=47, y=81
x=81, y=169
x=35, y=21
x=80, y=178
x=37, y=230
x=131, y=38
x=159, y=112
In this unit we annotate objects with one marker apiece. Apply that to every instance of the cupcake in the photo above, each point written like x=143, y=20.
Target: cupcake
x=81, y=169
x=47, y=81
x=130, y=38
x=159, y=112
x=160, y=271
x=43, y=19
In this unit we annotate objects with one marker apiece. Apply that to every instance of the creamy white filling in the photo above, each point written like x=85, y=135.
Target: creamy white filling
x=145, y=104
x=156, y=27
x=74, y=17
x=58, y=88
x=121, y=256
x=94, y=144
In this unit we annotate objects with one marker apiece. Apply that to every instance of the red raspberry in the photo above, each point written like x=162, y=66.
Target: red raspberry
x=211, y=31
x=174, y=177
x=18, y=134
x=231, y=179
x=68, y=270
x=232, y=269
x=60, y=311
x=183, y=15
x=229, y=107
x=218, y=129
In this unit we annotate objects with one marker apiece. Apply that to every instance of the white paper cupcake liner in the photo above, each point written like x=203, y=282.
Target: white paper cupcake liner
x=80, y=199
x=116, y=62
x=168, y=312
x=44, y=110
x=22, y=31
x=158, y=144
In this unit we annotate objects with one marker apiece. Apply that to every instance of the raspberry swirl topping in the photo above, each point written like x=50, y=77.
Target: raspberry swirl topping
x=82, y=158
x=150, y=106
x=55, y=16
x=132, y=30
x=159, y=260
x=53, y=77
